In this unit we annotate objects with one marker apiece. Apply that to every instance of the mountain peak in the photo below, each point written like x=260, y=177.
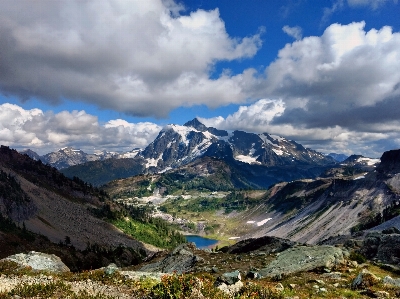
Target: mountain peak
x=195, y=123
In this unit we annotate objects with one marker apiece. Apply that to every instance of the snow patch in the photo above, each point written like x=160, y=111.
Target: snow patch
x=251, y=222
x=247, y=159
x=233, y=238
x=153, y=162
x=263, y=221
x=278, y=151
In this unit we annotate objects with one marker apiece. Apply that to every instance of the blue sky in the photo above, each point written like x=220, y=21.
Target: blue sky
x=109, y=74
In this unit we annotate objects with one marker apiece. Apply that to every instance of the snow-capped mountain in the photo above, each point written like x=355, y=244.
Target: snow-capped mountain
x=68, y=156
x=178, y=145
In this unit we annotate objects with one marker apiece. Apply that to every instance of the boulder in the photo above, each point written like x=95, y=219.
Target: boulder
x=304, y=258
x=110, y=269
x=39, y=261
x=230, y=282
x=230, y=278
x=266, y=244
x=392, y=281
x=364, y=280
x=180, y=260
x=382, y=247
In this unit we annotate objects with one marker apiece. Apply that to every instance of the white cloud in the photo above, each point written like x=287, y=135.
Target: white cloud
x=253, y=118
x=328, y=11
x=46, y=131
x=140, y=57
x=258, y=118
x=295, y=32
x=342, y=76
x=374, y=4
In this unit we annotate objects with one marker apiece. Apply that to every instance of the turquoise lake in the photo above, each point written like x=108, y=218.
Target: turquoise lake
x=201, y=242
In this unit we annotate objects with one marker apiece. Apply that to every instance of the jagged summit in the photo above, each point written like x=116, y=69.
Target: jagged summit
x=195, y=123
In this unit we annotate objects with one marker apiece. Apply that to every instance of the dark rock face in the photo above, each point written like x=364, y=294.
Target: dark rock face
x=390, y=162
x=180, y=260
x=267, y=244
x=384, y=248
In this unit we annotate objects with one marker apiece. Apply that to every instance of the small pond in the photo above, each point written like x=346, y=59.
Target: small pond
x=201, y=242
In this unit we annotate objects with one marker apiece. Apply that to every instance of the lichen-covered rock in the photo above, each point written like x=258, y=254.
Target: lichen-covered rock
x=392, y=281
x=303, y=258
x=364, y=280
x=180, y=260
x=39, y=261
x=110, y=269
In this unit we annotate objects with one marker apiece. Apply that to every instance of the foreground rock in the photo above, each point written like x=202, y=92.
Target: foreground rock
x=39, y=261
x=383, y=247
x=364, y=280
x=180, y=260
x=304, y=258
x=230, y=283
x=267, y=244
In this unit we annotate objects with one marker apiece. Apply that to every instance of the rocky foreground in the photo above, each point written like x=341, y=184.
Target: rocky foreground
x=256, y=268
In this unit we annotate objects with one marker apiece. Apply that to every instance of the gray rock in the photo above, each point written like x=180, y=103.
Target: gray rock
x=231, y=289
x=391, y=281
x=332, y=275
x=382, y=247
x=364, y=280
x=110, y=269
x=229, y=278
x=39, y=261
x=279, y=287
x=303, y=258
x=180, y=260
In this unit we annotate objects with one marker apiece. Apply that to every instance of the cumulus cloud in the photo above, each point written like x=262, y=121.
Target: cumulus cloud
x=259, y=118
x=295, y=32
x=337, y=92
x=347, y=77
x=47, y=131
x=143, y=58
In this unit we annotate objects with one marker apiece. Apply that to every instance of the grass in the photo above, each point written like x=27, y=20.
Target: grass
x=159, y=234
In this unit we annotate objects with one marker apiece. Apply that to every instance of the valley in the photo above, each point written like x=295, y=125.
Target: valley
x=135, y=213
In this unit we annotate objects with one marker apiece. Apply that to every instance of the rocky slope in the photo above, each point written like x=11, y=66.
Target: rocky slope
x=46, y=202
x=298, y=271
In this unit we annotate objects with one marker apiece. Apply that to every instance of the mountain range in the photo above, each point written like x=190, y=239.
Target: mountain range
x=264, y=159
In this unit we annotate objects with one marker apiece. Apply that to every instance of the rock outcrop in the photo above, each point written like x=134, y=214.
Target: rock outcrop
x=180, y=260
x=39, y=261
x=382, y=247
x=267, y=244
x=304, y=258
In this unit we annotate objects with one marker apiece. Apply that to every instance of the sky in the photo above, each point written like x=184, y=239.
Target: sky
x=109, y=74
